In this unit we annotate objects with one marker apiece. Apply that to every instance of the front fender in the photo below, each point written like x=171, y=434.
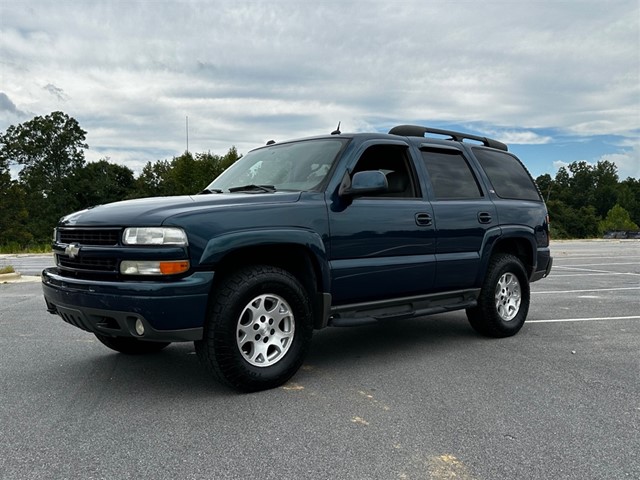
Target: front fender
x=222, y=245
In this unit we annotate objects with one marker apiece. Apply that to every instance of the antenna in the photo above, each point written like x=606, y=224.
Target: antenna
x=187, y=128
x=337, y=130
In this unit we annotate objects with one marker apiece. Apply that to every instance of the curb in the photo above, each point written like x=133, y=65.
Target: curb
x=17, y=277
x=6, y=277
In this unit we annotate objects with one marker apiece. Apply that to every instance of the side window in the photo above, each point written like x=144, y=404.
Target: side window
x=507, y=175
x=392, y=160
x=450, y=175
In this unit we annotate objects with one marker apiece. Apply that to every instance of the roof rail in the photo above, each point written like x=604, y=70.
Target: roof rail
x=417, y=131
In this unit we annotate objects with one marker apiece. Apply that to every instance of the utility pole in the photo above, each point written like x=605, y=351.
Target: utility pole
x=187, y=128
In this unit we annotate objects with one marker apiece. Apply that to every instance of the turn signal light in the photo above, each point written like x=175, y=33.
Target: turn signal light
x=172, y=268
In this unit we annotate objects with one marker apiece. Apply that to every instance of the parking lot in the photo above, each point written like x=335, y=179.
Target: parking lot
x=418, y=399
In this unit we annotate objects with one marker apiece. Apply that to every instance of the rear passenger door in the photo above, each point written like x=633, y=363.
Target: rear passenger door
x=463, y=214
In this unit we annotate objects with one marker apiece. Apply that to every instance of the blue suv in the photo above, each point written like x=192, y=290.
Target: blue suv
x=334, y=230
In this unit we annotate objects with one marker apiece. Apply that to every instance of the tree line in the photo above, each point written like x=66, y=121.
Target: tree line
x=54, y=179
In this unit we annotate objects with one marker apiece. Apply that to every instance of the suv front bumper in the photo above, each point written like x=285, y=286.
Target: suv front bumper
x=170, y=311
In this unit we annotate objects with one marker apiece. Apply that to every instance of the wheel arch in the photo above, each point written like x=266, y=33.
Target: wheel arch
x=299, y=252
x=520, y=244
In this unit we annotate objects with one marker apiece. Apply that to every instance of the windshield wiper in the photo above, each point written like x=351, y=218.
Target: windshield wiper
x=253, y=188
x=209, y=190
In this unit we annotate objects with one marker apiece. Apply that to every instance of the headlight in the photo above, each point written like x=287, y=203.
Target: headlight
x=146, y=267
x=154, y=236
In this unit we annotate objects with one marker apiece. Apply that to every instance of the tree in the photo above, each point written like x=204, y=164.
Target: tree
x=102, y=182
x=628, y=195
x=617, y=219
x=150, y=182
x=183, y=175
x=13, y=214
x=605, y=178
x=50, y=150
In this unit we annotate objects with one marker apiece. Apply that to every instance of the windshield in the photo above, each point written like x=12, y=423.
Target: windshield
x=290, y=166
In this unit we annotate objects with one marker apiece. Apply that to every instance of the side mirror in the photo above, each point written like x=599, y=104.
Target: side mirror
x=363, y=183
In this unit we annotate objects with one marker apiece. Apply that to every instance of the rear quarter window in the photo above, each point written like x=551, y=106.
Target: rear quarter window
x=509, y=178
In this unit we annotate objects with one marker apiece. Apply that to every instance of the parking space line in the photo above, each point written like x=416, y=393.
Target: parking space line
x=591, y=270
x=592, y=274
x=586, y=290
x=592, y=319
x=597, y=264
x=589, y=257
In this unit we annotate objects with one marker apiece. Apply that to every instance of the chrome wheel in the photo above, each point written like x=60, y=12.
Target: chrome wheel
x=508, y=296
x=265, y=330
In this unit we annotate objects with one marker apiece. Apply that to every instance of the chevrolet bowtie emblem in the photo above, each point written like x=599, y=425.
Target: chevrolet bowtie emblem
x=72, y=250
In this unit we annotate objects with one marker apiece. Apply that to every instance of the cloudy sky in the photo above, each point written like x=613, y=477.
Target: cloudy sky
x=558, y=80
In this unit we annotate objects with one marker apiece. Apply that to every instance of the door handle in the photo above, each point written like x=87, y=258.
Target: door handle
x=484, y=217
x=423, y=219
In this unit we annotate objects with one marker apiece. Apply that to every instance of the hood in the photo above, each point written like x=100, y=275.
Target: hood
x=155, y=211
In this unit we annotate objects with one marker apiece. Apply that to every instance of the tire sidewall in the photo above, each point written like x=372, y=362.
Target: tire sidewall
x=228, y=356
x=507, y=264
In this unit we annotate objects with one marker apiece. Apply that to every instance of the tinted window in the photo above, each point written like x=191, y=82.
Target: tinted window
x=391, y=160
x=508, y=176
x=450, y=175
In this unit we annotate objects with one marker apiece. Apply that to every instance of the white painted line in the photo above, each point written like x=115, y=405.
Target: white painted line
x=591, y=274
x=579, y=257
x=559, y=320
x=577, y=269
x=587, y=290
x=598, y=264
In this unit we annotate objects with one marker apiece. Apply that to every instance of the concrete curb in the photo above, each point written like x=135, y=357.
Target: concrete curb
x=6, y=277
x=17, y=277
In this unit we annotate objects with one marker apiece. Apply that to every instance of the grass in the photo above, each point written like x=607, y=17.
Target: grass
x=31, y=248
x=7, y=269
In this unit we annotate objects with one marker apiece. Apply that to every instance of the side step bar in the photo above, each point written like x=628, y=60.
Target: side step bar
x=368, y=313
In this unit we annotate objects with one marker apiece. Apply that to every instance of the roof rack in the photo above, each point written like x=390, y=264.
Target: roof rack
x=417, y=131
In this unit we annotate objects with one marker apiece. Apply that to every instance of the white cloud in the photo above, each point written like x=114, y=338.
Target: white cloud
x=628, y=162
x=246, y=72
x=558, y=164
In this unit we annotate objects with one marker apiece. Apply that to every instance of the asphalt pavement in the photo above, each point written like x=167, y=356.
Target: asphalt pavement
x=418, y=399
x=27, y=265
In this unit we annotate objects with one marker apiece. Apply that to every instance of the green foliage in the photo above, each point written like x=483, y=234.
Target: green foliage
x=6, y=269
x=50, y=150
x=54, y=180
x=617, y=219
x=101, y=182
x=13, y=214
x=183, y=175
x=581, y=195
x=629, y=198
x=570, y=222
x=15, y=247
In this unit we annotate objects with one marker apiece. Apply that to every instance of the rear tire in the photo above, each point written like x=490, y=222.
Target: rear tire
x=504, y=299
x=258, y=330
x=131, y=346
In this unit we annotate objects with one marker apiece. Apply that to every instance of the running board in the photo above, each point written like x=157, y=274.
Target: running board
x=368, y=313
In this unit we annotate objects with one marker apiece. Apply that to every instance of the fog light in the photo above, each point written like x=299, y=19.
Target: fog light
x=139, y=327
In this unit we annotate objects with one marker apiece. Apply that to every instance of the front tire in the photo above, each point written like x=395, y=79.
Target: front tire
x=131, y=346
x=258, y=330
x=504, y=299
